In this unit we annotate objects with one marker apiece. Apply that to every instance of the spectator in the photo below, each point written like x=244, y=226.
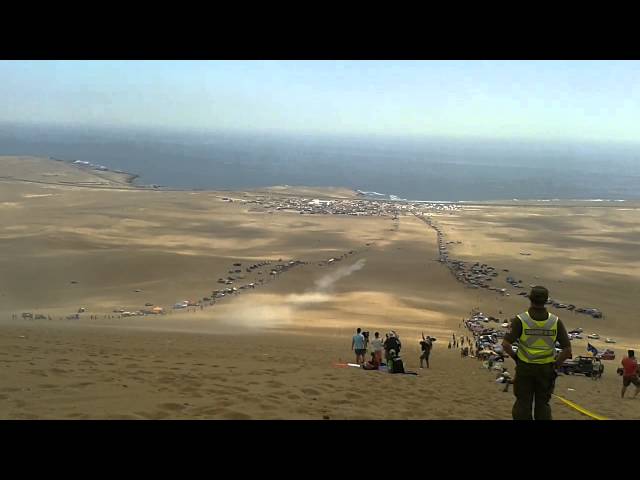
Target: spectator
x=357, y=344
x=377, y=346
x=630, y=373
x=425, y=345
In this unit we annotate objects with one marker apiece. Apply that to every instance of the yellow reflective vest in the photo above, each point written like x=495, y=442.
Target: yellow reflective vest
x=538, y=339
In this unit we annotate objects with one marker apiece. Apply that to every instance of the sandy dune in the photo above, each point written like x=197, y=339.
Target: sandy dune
x=270, y=352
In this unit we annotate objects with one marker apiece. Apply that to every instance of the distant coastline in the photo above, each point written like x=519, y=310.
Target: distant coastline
x=132, y=179
x=428, y=170
x=129, y=177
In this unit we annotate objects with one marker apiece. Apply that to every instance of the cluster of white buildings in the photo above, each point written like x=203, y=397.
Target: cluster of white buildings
x=353, y=207
x=82, y=163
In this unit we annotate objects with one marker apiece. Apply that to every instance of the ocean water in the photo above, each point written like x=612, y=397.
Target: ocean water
x=414, y=169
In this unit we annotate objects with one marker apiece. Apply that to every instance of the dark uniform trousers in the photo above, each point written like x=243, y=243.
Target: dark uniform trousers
x=533, y=382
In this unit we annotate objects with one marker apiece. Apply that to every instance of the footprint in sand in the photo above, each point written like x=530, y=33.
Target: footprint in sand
x=10, y=389
x=121, y=416
x=208, y=411
x=240, y=389
x=233, y=415
x=275, y=384
x=311, y=391
x=77, y=416
x=353, y=396
x=58, y=371
x=172, y=407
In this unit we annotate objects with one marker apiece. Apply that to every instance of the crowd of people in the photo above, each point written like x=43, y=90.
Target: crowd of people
x=385, y=354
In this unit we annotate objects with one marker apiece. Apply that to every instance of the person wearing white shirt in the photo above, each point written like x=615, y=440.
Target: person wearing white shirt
x=377, y=346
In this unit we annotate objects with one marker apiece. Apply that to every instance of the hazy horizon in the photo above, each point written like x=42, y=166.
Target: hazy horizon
x=566, y=101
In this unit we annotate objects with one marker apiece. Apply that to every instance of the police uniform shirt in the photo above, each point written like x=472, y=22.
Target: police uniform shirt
x=537, y=314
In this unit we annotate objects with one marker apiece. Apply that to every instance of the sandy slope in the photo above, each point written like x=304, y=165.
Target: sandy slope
x=269, y=352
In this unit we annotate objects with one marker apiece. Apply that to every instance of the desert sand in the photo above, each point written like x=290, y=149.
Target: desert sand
x=72, y=237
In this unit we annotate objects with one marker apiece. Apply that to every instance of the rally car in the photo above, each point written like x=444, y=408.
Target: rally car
x=608, y=354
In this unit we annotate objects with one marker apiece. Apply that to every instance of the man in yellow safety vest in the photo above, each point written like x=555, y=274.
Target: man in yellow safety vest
x=537, y=331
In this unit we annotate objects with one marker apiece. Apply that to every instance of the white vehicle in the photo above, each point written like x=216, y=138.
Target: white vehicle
x=609, y=340
x=594, y=336
x=505, y=325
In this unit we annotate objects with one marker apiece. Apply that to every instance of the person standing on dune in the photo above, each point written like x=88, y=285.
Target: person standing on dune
x=630, y=373
x=425, y=345
x=357, y=344
x=377, y=346
x=537, y=331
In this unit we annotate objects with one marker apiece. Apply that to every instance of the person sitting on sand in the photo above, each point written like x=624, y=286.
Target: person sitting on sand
x=395, y=363
x=373, y=364
x=504, y=377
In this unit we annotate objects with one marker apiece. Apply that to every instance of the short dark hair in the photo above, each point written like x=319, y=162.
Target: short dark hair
x=539, y=295
x=377, y=334
x=359, y=330
x=632, y=353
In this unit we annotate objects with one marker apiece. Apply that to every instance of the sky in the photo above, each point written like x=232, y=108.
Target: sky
x=537, y=100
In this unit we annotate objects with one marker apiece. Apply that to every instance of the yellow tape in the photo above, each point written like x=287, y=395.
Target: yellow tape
x=580, y=409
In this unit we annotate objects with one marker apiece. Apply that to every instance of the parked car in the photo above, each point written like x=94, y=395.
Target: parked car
x=593, y=336
x=609, y=340
x=587, y=366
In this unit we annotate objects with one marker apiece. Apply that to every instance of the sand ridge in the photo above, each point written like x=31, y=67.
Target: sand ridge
x=270, y=352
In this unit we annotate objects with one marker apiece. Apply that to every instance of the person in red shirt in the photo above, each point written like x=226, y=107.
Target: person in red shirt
x=630, y=373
